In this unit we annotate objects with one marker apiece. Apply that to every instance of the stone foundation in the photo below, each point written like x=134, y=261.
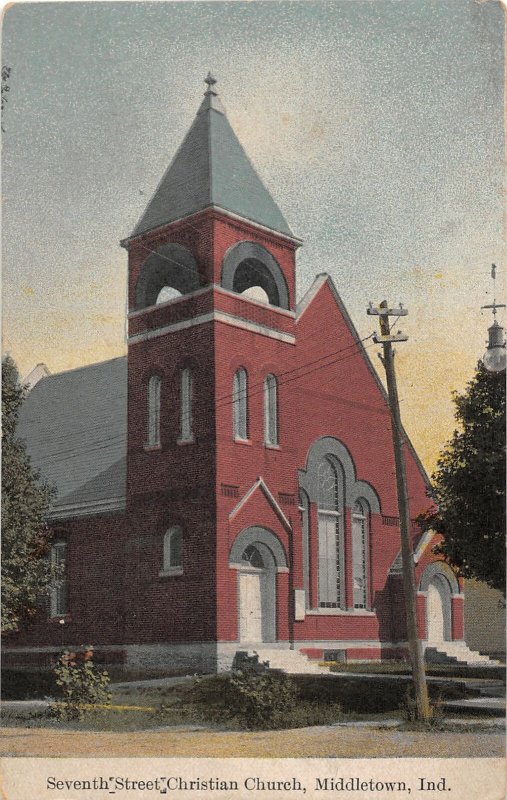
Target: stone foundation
x=153, y=660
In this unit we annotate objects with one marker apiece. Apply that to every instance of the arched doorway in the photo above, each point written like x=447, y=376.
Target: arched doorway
x=439, y=583
x=257, y=598
x=438, y=610
x=257, y=555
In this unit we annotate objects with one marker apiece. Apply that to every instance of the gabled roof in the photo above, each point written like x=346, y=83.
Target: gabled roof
x=321, y=280
x=211, y=169
x=260, y=485
x=75, y=427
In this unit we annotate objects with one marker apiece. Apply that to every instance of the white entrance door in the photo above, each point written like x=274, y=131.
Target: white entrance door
x=435, y=613
x=250, y=607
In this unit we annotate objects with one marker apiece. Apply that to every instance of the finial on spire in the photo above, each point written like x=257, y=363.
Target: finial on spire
x=210, y=80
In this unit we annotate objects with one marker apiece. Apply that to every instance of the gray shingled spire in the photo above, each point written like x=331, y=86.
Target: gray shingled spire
x=211, y=169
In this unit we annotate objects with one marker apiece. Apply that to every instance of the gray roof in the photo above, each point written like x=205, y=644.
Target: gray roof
x=211, y=169
x=75, y=427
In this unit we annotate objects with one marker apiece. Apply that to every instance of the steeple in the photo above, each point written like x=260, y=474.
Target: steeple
x=211, y=169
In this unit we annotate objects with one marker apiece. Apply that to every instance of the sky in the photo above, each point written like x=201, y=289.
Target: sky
x=376, y=126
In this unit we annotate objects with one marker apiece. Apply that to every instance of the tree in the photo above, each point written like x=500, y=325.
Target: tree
x=469, y=483
x=26, y=571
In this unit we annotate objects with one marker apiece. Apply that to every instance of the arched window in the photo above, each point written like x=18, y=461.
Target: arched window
x=252, y=557
x=167, y=273
x=304, y=510
x=240, y=404
x=58, y=592
x=270, y=410
x=360, y=516
x=186, y=426
x=331, y=592
x=173, y=540
x=154, y=386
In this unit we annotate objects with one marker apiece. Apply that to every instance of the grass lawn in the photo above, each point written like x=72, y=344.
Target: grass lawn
x=198, y=703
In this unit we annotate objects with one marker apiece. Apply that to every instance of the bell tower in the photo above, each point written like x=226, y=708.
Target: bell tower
x=211, y=291
x=212, y=245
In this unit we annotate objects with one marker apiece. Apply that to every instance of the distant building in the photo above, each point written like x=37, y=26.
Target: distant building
x=230, y=485
x=484, y=623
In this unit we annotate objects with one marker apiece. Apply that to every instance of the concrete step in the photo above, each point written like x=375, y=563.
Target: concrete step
x=456, y=653
x=293, y=662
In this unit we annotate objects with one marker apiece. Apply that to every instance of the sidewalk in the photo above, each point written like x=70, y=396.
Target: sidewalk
x=338, y=741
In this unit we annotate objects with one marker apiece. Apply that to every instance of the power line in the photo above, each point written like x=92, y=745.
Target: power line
x=223, y=401
x=293, y=378
x=308, y=364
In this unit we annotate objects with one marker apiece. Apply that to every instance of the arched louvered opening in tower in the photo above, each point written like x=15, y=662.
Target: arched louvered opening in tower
x=167, y=273
x=249, y=269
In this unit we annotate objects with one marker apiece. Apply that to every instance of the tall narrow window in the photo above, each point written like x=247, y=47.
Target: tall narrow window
x=360, y=554
x=173, y=541
x=186, y=426
x=304, y=510
x=240, y=404
x=270, y=410
x=330, y=572
x=58, y=593
x=154, y=411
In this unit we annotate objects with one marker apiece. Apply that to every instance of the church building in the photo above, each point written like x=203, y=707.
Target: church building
x=229, y=485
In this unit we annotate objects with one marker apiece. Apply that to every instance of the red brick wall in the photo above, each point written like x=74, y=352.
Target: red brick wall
x=172, y=484
x=178, y=608
x=95, y=574
x=240, y=464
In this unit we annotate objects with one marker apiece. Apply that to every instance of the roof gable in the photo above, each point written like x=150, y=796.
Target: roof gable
x=260, y=486
x=211, y=168
x=323, y=289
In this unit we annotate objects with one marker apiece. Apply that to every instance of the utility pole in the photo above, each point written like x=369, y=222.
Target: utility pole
x=386, y=339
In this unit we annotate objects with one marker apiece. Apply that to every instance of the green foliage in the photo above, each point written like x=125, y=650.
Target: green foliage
x=259, y=701
x=26, y=573
x=82, y=686
x=469, y=483
x=436, y=721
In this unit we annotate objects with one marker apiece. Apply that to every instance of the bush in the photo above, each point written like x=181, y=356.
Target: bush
x=261, y=700
x=255, y=700
x=82, y=685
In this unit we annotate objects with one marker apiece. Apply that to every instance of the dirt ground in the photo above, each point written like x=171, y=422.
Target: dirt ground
x=325, y=742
